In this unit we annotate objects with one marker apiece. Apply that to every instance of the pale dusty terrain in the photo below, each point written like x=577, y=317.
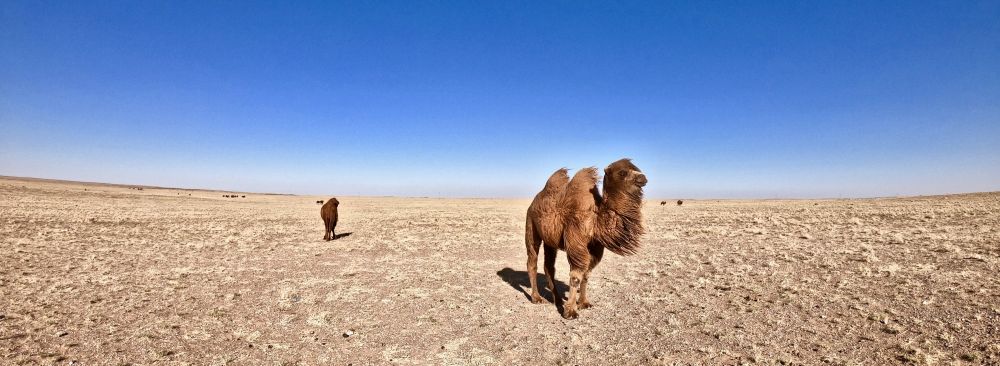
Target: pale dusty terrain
x=102, y=274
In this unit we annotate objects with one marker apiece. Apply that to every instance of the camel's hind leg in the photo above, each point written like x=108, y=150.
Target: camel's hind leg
x=531, y=243
x=596, y=253
x=550, y=271
x=326, y=233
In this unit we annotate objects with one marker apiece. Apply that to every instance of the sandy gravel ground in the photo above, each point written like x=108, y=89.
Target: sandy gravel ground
x=100, y=274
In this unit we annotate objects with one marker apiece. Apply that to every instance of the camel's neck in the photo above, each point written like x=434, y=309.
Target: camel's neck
x=623, y=203
x=619, y=222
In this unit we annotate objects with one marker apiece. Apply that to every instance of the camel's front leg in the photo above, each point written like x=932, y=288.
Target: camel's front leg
x=583, y=303
x=575, y=280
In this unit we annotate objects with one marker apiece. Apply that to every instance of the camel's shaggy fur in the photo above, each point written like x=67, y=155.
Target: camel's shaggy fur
x=329, y=214
x=573, y=216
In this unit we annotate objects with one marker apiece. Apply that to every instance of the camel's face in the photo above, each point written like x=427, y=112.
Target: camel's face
x=622, y=174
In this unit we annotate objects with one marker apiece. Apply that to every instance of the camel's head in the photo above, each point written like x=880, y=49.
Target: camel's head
x=335, y=202
x=623, y=175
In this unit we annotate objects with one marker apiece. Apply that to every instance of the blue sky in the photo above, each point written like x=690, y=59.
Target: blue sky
x=438, y=98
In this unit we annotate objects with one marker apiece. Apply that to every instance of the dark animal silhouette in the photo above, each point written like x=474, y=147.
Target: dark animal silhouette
x=244, y=196
x=329, y=215
x=573, y=216
x=663, y=203
x=679, y=202
x=320, y=202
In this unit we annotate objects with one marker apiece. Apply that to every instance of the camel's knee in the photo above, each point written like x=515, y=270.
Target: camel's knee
x=575, y=279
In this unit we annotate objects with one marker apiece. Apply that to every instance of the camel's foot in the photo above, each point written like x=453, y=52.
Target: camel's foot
x=326, y=237
x=584, y=305
x=538, y=299
x=570, y=314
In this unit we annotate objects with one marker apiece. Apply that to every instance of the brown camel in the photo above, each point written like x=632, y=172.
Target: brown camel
x=663, y=203
x=573, y=216
x=329, y=214
x=679, y=202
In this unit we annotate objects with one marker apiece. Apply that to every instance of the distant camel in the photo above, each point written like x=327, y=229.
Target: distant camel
x=679, y=202
x=663, y=203
x=329, y=215
x=243, y=196
x=573, y=216
x=320, y=202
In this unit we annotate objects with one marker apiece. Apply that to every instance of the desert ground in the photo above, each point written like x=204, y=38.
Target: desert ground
x=96, y=274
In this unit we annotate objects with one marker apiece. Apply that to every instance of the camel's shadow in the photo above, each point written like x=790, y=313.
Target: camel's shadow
x=342, y=235
x=520, y=281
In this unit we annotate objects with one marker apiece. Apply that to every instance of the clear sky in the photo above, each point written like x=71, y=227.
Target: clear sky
x=476, y=98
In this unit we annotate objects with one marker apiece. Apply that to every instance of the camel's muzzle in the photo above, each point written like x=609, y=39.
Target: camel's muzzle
x=641, y=180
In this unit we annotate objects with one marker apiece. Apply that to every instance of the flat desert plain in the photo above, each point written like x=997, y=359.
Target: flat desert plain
x=104, y=274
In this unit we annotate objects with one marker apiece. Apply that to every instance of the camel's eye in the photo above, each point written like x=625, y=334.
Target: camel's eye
x=622, y=174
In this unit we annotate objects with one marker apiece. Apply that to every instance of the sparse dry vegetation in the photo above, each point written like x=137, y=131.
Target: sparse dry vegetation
x=112, y=275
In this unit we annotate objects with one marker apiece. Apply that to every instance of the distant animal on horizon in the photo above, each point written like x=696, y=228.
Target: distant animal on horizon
x=320, y=202
x=243, y=196
x=663, y=203
x=329, y=215
x=571, y=215
x=679, y=202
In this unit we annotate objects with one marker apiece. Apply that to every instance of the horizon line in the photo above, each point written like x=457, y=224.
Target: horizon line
x=59, y=180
